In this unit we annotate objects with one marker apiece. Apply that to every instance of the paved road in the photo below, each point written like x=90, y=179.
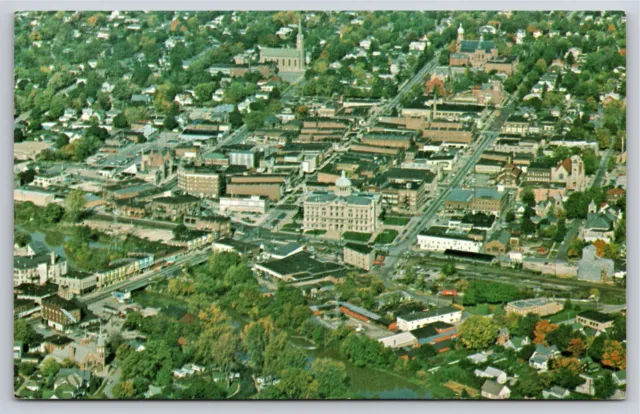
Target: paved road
x=191, y=259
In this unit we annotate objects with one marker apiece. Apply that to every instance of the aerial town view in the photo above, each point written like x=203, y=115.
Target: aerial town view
x=320, y=205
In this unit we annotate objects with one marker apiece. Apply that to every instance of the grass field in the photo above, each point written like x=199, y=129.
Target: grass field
x=386, y=237
x=396, y=221
x=355, y=236
x=316, y=232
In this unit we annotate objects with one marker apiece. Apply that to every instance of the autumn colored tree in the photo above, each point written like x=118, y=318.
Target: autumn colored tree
x=570, y=363
x=576, y=347
x=614, y=354
x=541, y=330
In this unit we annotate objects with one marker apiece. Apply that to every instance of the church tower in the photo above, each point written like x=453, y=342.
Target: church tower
x=460, y=37
x=300, y=45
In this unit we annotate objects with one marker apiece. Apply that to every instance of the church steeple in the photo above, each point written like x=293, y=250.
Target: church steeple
x=300, y=44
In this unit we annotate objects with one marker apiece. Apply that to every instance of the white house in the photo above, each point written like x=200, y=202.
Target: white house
x=490, y=372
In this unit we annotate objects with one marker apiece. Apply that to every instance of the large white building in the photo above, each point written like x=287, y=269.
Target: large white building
x=417, y=320
x=439, y=239
x=253, y=204
x=342, y=210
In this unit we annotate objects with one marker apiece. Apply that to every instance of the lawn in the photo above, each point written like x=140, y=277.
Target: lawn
x=563, y=315
x=292, y=227
x=396, y=221
x=316, y=232
x=355, y=236
x=386, y=237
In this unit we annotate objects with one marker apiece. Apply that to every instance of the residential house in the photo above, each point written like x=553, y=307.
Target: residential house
x=542, y=355
x=490, y=372
x=555, y=393
x=494, y=391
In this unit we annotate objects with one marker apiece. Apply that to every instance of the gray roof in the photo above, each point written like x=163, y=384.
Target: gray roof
x=279, y=52
x=492, y=387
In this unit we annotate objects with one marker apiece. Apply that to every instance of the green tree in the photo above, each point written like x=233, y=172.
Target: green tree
x=120, y=121
x=170, y=123
x=50, y=367
x=331, y=377
x=478, y=332
x=254, y=120
x=604, y=386
x=21, y=238
x=75, y=203
x=527, y=197
x=23, y=332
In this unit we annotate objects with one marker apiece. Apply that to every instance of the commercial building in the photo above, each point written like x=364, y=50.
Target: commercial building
x=485, y=200
x=60, y=313
x=244, y=158
x=174, y=206
x=217, y=224
x=299, y=266
x=38, y=268
x=359, y=255
x=253, y=204
x=406, y=198
x=200, y=181
x=595, y=320
x=38, y=197
x=412, y=321
x=440, y=238
x=539, y=306
x=342, y=210
x=506, y=64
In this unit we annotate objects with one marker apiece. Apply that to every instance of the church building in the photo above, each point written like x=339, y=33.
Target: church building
x=474, y=53
x=287, y=59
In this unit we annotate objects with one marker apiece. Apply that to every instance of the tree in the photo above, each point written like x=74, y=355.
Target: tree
x=170, y=123
x=527, y=226
x=50, y=367
x=21, y=238
x=576, y=347
x=331, y=377
x=256, y=336
x=254, y=120
x=23, y=332
x=528, y=324
x=528, y=197
x=604, y=386
x=510, y=217
x=235, y=118
x=448, y=269
x=124, y=390
x=478, y=332
x=53, y=213
x=614, y=354
x=560, y=337
x=121, y=121
x=526, y=351
x=596, y=348
x=75, y=202
x=541, y=330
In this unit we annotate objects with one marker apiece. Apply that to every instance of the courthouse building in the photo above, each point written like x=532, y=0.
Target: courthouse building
x=342, y=210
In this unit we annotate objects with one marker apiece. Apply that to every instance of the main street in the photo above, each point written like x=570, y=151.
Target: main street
x=486, y=138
